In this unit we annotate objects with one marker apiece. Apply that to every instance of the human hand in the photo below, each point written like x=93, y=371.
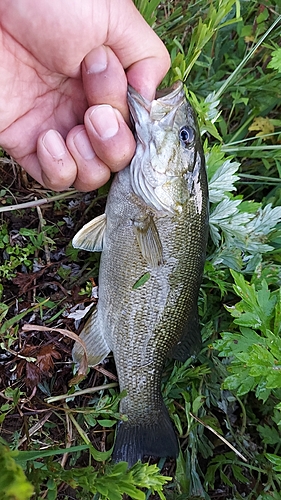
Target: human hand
x=63, y=86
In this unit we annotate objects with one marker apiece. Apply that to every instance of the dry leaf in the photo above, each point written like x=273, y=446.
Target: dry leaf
x=263, y=125
x=45, y=357
x=33, y=375
x=83, y=367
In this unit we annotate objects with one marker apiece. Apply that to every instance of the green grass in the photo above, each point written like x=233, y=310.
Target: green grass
x=226, y=406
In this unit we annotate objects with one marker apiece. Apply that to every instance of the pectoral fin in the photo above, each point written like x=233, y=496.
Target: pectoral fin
x=90, y=237
x=149, y=240
x=96, y=346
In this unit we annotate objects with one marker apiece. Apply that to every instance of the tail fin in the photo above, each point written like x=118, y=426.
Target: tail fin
x=133, y=442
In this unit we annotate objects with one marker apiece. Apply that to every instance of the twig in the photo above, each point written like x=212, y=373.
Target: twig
x=219, y=436
x=37, y=203
x=90, y=390
x=105, y=372
x=68, y=436
x=82, y=434
x=36, y=427
x=42, y=223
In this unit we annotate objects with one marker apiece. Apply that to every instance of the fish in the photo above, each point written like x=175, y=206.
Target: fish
x=153, y=238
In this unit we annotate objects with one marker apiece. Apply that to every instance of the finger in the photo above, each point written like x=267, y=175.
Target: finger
x=104, y=80
x=58, y=167
x=112, y=140
x=147, y=85
x=92, y=173
x=138, y=48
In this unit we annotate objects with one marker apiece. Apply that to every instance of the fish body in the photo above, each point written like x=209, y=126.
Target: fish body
x=153, y=240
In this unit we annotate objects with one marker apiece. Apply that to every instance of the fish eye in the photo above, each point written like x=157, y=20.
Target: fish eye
x=187, y=135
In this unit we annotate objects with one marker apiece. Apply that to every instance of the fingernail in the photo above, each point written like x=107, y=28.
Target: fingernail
x=54, y=144
x=83, y=145
x=104, y=121
x=96, y=60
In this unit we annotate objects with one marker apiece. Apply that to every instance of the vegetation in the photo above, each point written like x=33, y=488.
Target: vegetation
x=57, y=432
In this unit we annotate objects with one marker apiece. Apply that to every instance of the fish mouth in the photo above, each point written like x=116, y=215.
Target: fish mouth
x=163, y=108
x=172, y=91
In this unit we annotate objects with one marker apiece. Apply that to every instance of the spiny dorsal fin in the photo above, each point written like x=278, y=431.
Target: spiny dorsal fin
x=90, y=237
x=149, y=240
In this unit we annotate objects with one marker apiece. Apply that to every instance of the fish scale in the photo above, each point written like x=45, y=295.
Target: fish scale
x=154, y=224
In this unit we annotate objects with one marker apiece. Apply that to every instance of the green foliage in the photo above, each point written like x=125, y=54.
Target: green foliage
x=275, y=62
x=13, y=483
x=13, y=396
x=110, y=482
x=220, y=464
x=148, y=9
x=21, y=252
x=255, y=349
x=246, y=227
x=219, y=15
x=103, y=410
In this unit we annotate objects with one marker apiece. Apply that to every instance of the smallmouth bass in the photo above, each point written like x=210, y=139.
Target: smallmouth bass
x=153, y=239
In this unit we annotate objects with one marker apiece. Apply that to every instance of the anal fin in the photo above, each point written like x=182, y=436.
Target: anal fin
x=93, y=337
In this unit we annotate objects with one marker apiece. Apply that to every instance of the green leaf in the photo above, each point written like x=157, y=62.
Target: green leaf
x=237, y=472
x=131, y=490
x=275, y=460
x=10, y=322
x=106, y=423
x=221, y=174
x=100, y=456
x=141, y=281
x=148, y=476
x=234, y=343
x=21, y=457
x=275, y=62
x=181, y=476
x=270, y=435
x=225, y=479
x=210, y=476
x=240, y=382
x=147, y=9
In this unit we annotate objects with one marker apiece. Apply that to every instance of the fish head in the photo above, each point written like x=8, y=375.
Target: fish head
x=169, y=154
